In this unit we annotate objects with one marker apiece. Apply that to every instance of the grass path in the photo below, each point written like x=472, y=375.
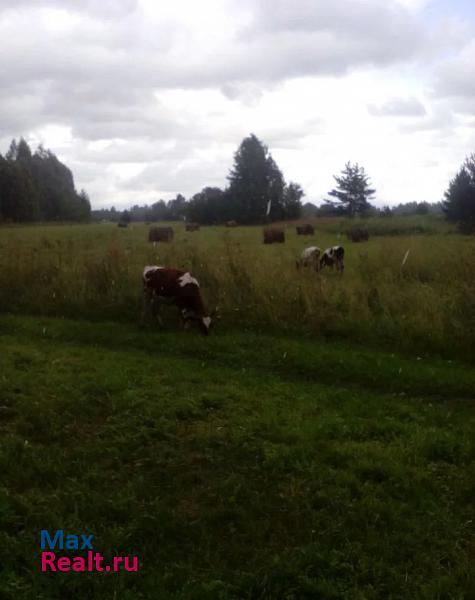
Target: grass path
x=238, y=466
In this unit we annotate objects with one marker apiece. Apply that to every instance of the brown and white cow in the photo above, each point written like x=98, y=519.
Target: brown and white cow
x=333, y=257
x=309, y=257
x=163, y=285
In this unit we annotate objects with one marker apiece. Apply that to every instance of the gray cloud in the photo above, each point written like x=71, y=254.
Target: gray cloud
x=398, y=107
x=188, y=177
x=292, y=136
x=440, y=121
x=105, y=8
x=454, y=80
x=99, y=75
x=356, y=32
x=103, y=69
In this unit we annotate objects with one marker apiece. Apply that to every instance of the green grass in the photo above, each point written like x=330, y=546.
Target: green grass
x=237, y=466
x=94, y=272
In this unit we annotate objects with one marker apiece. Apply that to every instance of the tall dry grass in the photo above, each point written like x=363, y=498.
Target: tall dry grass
x=94, y=271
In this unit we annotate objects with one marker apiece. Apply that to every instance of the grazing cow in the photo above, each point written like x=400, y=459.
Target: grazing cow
x=306, y=229
x=357, y=235
x=163, y=285
x=309, y=257
x=160, y=234
x=273, y=235
x=192, y=227
x=231, y=224
x=333, y=257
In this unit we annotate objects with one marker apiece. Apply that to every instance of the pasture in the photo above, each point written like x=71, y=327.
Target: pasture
x=94, y=272
x=319, y=444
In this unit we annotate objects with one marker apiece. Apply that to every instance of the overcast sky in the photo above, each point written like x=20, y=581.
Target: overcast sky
x=145, y=99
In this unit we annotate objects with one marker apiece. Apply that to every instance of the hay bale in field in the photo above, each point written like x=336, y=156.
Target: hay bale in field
x=357, y=235
x=122, y=224
x=231, y=224
x=273, y=235
x=305, y=229
x=160, y=234
x=192, y=227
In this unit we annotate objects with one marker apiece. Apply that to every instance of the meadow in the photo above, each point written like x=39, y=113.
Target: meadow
x=319, y=444
x=94, y=272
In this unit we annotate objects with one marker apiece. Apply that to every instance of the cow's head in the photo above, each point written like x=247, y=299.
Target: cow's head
x=206, y=322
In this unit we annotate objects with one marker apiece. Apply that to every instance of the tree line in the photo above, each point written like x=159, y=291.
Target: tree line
x=38, y=187
x=256, y=193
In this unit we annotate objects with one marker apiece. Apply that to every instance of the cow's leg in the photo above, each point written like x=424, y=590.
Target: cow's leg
x=156, y=310
x=147, y=308
x=186, y=318
x=151, y=307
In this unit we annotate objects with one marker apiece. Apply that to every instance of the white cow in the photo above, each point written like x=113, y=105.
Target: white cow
x=309, y=257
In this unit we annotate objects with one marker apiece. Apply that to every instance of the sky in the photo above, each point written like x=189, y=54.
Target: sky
x=144, y=99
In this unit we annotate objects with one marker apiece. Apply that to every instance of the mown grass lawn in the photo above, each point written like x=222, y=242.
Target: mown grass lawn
x=238, y=466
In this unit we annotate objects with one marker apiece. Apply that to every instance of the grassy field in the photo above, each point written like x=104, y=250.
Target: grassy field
x=318, y=445
x=94, y=272
x=246, y=467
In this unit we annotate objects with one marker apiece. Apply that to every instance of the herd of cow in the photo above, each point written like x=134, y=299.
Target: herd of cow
x=164, y=285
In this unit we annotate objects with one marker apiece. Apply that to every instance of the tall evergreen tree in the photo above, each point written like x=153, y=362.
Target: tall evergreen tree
x=255, y=181
x=353, y=191
x=459, y=205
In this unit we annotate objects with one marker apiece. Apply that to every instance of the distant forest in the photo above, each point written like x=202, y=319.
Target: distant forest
x=179, y=209
x=38, y=187
x=257, y=192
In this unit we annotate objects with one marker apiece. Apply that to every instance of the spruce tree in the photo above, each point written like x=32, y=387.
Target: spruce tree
x=353, y=190
x=254, y=181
